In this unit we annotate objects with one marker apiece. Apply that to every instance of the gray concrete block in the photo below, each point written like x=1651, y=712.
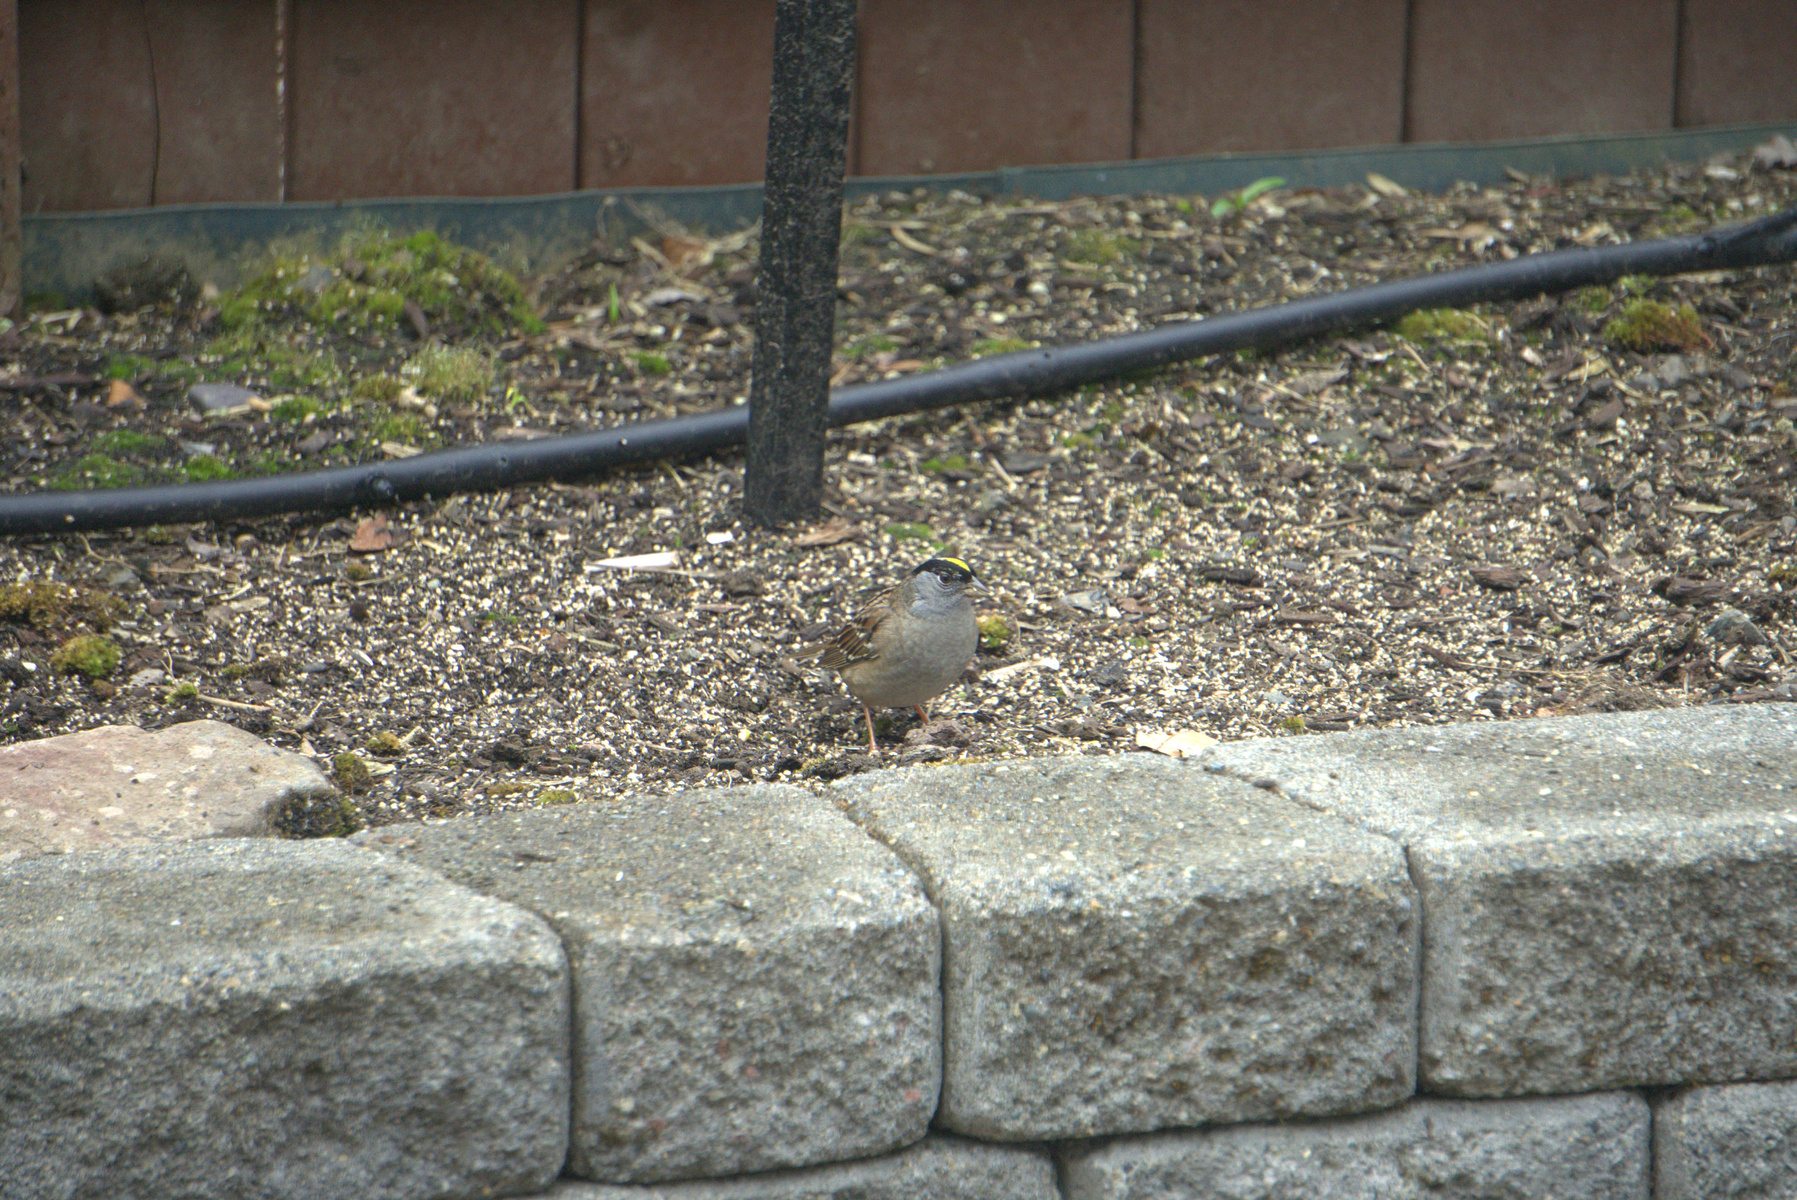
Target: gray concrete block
x=1608, y=900
x=937, y=1168
x=1590, y=1147
x=755, y=980
x=1131, y=944
x=273, y=1019
x=1735, y=1140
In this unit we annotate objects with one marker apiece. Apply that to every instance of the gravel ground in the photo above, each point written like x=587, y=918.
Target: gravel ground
x=1578, y=503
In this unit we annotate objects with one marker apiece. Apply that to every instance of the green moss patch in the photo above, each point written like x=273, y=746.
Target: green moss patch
x=1647, y=325
x=127, y=441
x=1442, y=325
x=365, y=289
x=350, y=773
x=457, y=374
x=91, y=654
x=97, y=471
x=58, y=606
x=204, y=468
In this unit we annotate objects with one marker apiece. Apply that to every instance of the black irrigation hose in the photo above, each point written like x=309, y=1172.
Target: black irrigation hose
x=1025, y=373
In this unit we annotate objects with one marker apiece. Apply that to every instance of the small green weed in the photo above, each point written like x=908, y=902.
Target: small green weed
x=1235, y=202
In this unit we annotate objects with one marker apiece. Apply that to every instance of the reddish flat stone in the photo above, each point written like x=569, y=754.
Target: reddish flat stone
x=121, y=785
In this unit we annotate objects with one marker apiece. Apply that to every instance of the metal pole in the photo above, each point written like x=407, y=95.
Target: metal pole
x=801, y=227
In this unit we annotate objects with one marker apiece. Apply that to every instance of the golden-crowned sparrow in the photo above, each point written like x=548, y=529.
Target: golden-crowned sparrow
x=909, y=643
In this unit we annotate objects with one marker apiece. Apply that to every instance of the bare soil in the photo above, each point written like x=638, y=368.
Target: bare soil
x=1540, y=508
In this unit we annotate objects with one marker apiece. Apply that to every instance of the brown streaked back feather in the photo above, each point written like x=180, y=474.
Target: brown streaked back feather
x=851, y=643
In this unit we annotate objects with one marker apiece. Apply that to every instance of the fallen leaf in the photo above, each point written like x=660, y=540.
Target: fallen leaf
x=1510, y=488
x=1593, y=233
x=1384, y=186
x=1312, y=382
x=1678, y=589
x=1047, y=662
x=1181, y=744
x=372, y=536
x=399, y=450
x=670, y=295
x=119, y=392
x=1605, y=416
x=1472, y=231
x=659, y=561
x=1497, y=577
x=1293, y=616
x=1776, y=151
x=910, y=243
x=686, y=251
x=828, y=534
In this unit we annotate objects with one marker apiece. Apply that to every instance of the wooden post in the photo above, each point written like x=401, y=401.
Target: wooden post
x=801, y=229
x=12, y=233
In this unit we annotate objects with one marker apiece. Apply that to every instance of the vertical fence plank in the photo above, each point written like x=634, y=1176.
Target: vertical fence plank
x=1482, y=70
x=1252, y=75
x=431, y=97
x=674, y=92
x=87, y=110
x=949, y=86
x=1737, y=62
x=218, y=120
x=11, y=235
x=795, y=303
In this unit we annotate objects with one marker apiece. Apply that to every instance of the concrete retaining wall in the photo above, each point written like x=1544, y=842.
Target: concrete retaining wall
x=1417, y=962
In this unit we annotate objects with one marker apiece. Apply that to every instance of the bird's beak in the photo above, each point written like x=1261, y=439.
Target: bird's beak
x=976, y=584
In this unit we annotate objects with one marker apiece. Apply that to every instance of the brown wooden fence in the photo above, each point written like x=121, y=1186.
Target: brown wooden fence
x=128, y=103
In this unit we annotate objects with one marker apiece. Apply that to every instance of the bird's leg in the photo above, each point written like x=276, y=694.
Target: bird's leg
x=873, y=747
x=923, y=712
